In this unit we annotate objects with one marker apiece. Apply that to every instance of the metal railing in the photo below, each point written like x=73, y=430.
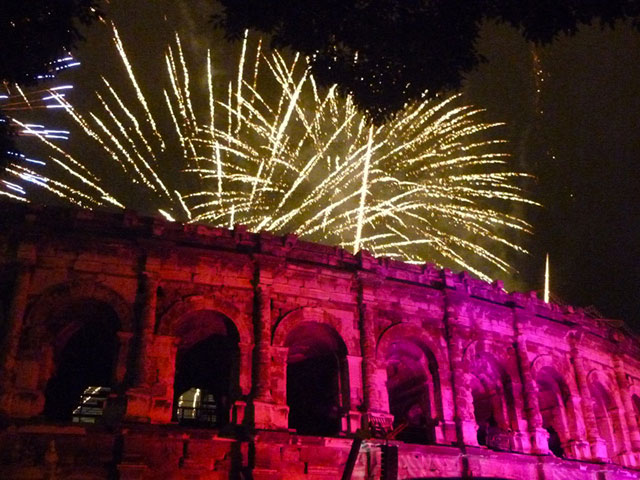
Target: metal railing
x=202, y=415
x=91, y=406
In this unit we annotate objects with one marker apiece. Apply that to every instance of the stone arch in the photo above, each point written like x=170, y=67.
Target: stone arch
x=317, y=378
x=74, y=327
x=493, y=398
x=606, y=412
x=413, y=381
x=405, y=330
x=556, y=405
x=290, y=320
x=242, y=321
x=57, y=296
x=206, y=378
x=561, y=367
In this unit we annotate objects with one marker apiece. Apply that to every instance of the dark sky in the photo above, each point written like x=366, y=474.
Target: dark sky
x=583, y=147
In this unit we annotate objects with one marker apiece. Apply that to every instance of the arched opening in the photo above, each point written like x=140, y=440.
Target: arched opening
x=635, y=399
x=413, y=385
x=207, y=369
x=605, y=411
x=556, y=410
x=493, y=404
x=85, y=360
x=317, y=379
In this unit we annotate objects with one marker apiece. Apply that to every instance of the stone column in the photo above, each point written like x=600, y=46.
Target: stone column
x=596, y=443
x=374, y=387
x=628, y=420
x=538, y=436
x=265, y=413
x=578, y=446
x=125, y=340
x=371, y=398
x=140, y=399
x=262, y=373
x=446, y=429
x=464, y=418
x=246, y=367
x=239, y=407
x=375, y=398
x=279, y=375
x=625, y=394
x=11, y=342
x=144, y=374
x=352, y=419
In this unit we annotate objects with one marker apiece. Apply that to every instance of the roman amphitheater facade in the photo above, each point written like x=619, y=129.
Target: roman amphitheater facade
x=137, y=348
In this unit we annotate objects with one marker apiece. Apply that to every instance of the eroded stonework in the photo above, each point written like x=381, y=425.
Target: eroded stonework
x=137, y=348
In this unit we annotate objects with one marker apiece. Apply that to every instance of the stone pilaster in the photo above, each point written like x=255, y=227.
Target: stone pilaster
x=11, y=342
x=596, y=443
x=246, y=367
x=265, y=413
x=144, y=376
x=370, y=385
x=538, y=436
x=276, y=413
x=629, y=435
x=577, y=446
x=141, y=398
x=262, y=373
x=464, y=418
x=625, y=394
x=375, y=399
x=352, y=419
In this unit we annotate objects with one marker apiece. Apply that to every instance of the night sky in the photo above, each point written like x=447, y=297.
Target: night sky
x=584, y=149
x=579, y=136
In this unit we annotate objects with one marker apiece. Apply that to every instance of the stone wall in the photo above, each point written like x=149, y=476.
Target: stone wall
x=301, y=346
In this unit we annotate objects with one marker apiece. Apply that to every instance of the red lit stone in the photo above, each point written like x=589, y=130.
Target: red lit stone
x=211, y=353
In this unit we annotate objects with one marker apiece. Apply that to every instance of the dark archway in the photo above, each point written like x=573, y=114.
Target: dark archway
x=207, y=369
x=606, y=414
x=85, y=360
x=493, y=403
x=556, y=410
x=317, y=379
x=413, y=385
x=635, y=399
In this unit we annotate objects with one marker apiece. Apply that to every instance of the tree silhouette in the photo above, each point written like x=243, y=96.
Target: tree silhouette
x=389, y=52
x=34, y=33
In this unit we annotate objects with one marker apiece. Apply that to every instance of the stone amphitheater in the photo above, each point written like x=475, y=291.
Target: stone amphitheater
x=136, y=348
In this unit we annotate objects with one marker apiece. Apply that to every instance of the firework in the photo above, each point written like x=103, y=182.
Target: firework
x=15, y=101
x=276, y=153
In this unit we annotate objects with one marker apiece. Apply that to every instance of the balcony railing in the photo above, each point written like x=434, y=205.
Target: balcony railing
x=200, y=415
x=91, y=406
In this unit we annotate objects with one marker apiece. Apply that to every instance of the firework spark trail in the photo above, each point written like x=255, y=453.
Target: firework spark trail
x=134, y=83
x=363, y=193
x=17, y=101
x=429, y=154
x=274, y=152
